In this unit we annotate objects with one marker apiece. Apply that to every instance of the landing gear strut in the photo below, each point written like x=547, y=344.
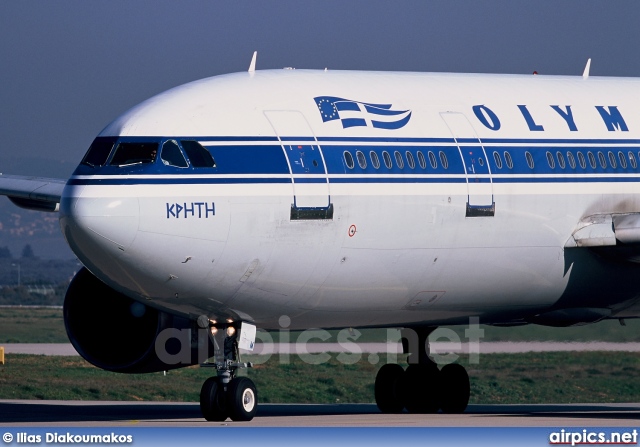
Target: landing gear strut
x=226, y=395
x=422, y=387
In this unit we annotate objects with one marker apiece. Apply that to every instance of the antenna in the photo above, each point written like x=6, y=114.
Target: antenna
x=585, y=73
x=252, y=65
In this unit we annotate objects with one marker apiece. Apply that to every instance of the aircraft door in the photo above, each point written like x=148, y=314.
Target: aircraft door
x=311, y=198
x=476, y=164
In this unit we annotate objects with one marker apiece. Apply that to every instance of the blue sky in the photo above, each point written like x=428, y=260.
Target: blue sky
x=70, y=67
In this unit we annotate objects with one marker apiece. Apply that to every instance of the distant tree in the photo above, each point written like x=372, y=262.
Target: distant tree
x=27, y=252
x=5, y=253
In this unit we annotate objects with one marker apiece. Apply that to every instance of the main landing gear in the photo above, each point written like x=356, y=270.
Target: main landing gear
x=226, y=395
x=422, y=387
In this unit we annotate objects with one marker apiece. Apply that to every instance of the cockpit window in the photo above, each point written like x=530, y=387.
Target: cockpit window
x=171, y=155
x=99, y=151
x=134, y=153
x=197, y=154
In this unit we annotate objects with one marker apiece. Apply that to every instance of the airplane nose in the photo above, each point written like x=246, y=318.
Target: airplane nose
x=96, y=225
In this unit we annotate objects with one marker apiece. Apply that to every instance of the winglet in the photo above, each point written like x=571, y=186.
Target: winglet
x=585, y=73
x=252, y=66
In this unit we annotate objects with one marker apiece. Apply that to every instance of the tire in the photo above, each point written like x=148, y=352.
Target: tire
x=387, y=388
x=212, y=400
x=421, y=388
x=455, y=387
x=242, y=398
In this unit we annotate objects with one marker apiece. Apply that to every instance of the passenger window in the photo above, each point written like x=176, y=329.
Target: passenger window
x=99, y=151
x=529, y=158
x=387, y=159
x=410, y=161
x=171, y=155
x=582, y=161
x=197, y=154
x=348, y=160
x=134, y=153
x=632, y=160
x=550, y=160
x=443, y=160
x=561, y=162
x=572, y=160
x=623, y=161
x=399, y=160
x=375, y=161
x=362, y=162
x=497, y=159
x=508, y=159
x=612, y=160
x=432, y=160
x=592, y=159
x=421, y=160
x=603, y=161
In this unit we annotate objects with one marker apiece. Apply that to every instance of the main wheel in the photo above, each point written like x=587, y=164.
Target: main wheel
x=455, y=388
x=421, y=388
x=242, y=398
x=212, y=400
x=387, y=388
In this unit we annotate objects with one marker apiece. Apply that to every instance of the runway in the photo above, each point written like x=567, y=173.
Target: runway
x=23, y=413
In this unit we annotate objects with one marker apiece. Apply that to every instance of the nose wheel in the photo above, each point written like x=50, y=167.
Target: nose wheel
x=237, y=400
x=242, y=398
x=213, y=400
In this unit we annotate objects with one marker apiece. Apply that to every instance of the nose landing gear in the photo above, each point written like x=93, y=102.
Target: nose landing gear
x=422, y=387
x=226, y=395
x=222, y=397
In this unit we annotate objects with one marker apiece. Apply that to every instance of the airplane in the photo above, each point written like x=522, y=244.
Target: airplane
x=348, y=199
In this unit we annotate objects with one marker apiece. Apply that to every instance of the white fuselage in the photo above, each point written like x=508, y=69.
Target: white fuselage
x=379, y=246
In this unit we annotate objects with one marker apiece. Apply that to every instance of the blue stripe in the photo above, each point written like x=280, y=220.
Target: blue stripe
x=270, y=159
x=386, y=140
x=176, y=181
x=484, y=140
x=468, y=140
x=395, y=139
x=558, y=141
x=297, y=139
x=407, y=179
x=343, y=180
x=247, y=139
x=309, y=180
x=572, y=179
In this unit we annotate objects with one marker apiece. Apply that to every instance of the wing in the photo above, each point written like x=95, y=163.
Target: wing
x=33, y=193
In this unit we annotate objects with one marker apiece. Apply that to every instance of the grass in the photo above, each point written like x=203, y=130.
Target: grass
x=32, y=325
x=498, y=378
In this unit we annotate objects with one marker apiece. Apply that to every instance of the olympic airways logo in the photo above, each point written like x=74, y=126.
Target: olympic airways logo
x=365, y=114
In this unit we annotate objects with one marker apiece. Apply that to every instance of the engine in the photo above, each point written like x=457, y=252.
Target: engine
x=116, y=333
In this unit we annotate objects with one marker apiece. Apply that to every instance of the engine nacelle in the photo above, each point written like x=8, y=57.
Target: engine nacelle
x=117, y=333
